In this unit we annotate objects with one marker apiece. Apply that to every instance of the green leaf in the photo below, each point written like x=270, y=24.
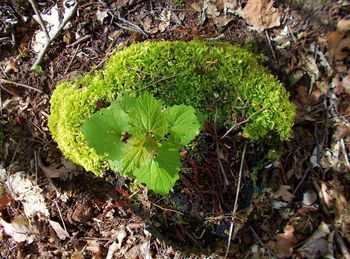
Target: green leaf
x=103, y=131
x=161, y=173
x=126, y=102
x=137, y=153
x=184, y=123
x=146, y=117
x=38, y=69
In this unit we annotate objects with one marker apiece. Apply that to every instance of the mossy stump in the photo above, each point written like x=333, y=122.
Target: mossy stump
x=220, y=79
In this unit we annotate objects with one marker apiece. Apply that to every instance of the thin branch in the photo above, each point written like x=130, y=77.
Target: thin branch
x=71, y=60
x=242, y=122
x=48, y=43
x=342, y=245
x=262, y=243
x=322, y=198
x=5, y=81
x=218, y=149
x=236, y=200
x=80, y=40
x=40, y=19
x=268, y=39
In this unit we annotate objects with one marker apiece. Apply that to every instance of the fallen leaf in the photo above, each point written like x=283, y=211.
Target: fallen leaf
x=61, y=233
x=196, y=7
x=5, y=200
x=327, y=195
x=343, y=25
x=309, y=198
x=101, y=15
x=338, y=41
x=261, y=14
x=284, y=193
x=22, y=189
x=283, y=247
x=123, y=3
x=82, y=213
x=20, y=229
x=93, y=246
x=316, y=244
x=119, y=235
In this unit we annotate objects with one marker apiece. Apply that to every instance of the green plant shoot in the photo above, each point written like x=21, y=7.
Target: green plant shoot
x=141, y=139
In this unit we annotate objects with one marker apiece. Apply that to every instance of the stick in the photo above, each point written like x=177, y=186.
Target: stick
x=48, y=43
x=59, y=212
x=268, y=39
x=236, y=199
x=80, y=40
x=242, y=122
x=5, y=81
x=71, y=60
x=40, y=19
x=322, y=201
x=261, y=242
x=342, y=245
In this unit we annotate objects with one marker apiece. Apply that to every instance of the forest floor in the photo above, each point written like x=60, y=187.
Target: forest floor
x=295, y=206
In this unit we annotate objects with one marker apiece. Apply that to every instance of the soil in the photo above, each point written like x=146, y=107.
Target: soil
x=286, y=191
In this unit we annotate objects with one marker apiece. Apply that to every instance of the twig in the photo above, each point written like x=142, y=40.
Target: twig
x=158, y=81
x=342, y=245
x=71, y=60
x=218, y=150
x=80, y=40
x=40, y=19
x=236, y=199
x=5, y=81
x=272, y=51
x=262, y=243
x=345, y=154
x=48, y=43
x=59, y=212
x=167, y=209
x=322, y=199
x=242, y=122
x=301, y=181
x=108, y=54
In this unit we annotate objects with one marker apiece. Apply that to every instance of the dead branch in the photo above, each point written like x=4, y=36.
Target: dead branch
x=48, y=43
x=236, y=200
x=40, y=19
x=5, y=81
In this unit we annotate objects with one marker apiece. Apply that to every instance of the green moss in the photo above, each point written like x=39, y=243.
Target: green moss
x=197, y=73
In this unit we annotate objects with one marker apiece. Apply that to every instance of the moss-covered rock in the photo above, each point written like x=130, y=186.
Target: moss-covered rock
x=209, y=76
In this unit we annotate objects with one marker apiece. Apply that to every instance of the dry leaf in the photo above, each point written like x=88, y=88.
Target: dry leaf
x=283, y=247
x=343, y=26
x=316, y=244
x=123, y=3
x=338, y=41
x=93, y=246
x=101, y=15
x=309, y=198
x=327, y=195
x=196, y=7
x=261, y=14
x=61, y=233
x=22, y=189
x=20, y=229
x=5, y=200
x=284, y=193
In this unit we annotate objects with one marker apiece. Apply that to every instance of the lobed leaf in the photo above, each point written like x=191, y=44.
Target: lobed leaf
x=103, y=131
x=146, y=117
x=184, y=123
x=160, y=174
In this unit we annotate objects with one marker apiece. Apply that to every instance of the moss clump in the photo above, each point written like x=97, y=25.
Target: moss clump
x=197, y=73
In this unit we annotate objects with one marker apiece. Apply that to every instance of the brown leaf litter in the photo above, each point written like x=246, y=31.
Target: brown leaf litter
x=261, y=14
